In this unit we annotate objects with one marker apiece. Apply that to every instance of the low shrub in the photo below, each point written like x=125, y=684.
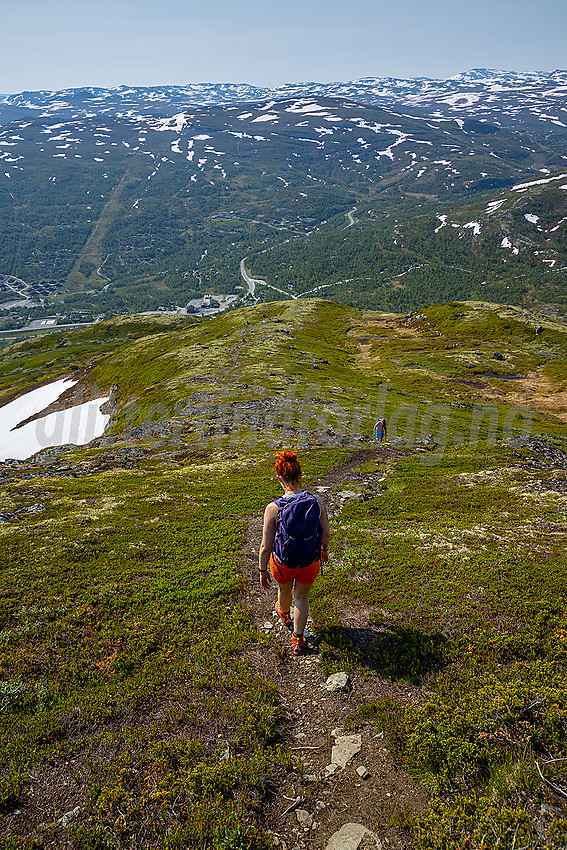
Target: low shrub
x=472, y=822
x=476, y=720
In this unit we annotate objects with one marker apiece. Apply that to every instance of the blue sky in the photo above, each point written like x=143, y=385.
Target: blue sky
x=62, y=43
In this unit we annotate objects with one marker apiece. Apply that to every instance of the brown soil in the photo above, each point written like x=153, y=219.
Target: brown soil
x=534, y=391
x=388, y=321
x=313, y=713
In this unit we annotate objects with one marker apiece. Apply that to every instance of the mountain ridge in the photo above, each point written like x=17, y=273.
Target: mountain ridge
x=149, y=693
x=529, y=91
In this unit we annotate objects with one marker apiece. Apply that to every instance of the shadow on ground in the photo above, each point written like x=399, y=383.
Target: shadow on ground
x=393, y=651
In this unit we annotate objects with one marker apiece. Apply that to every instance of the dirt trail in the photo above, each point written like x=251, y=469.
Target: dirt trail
x=312, y=713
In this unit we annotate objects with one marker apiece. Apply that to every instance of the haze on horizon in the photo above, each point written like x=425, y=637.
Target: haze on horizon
x=68, y=44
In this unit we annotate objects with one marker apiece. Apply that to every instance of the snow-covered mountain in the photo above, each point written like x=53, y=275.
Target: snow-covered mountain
x=510, y=99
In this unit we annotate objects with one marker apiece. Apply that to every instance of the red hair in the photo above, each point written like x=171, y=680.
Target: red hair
x=287, y=466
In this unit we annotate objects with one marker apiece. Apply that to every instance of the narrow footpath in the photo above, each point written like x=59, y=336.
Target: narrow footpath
x=351, y=791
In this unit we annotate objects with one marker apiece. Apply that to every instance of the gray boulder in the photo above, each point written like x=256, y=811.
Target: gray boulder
x=354, y=836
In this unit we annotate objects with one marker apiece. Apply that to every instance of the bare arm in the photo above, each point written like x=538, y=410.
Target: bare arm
x=268, y=534
x=326, y=539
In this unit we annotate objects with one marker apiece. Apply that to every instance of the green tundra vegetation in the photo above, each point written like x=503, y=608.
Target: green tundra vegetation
x=126, y=647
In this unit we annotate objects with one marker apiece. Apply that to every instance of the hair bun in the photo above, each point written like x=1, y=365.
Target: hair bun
x=287, y=466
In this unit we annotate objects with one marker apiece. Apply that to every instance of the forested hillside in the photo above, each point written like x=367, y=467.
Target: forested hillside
x=511, y=248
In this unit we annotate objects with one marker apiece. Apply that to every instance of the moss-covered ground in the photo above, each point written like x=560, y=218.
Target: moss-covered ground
x=462, y=570
x=123, y=685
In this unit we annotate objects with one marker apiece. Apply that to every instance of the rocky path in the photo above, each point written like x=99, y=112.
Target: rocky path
x=351, y=790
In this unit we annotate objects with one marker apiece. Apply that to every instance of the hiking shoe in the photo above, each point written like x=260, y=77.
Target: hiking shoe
x=285, y=618
x=299, y=644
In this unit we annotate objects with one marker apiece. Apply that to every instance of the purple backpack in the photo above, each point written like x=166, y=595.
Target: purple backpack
x=298, y=531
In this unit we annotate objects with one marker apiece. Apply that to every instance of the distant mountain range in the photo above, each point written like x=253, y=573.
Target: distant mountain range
x=505, y=98
x=130, y=198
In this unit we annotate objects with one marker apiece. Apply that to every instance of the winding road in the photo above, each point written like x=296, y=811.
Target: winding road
x=350, y=218
x=252, y=281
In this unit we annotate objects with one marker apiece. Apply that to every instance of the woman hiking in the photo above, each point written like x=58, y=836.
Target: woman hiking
x=295, y=539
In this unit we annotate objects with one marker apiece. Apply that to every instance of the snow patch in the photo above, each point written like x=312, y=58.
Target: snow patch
x=558, y=225
x=305, y=107
x=77, y=425
x=176, y=123
x=443, y=220
x=493, y=206
x=461, y=100
x=521, y=187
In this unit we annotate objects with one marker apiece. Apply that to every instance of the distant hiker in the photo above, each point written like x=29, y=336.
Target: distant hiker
x=295, y=539
x=380, y=430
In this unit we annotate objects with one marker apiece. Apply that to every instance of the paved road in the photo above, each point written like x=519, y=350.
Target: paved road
x=350, y=218
x=252, y=281
x=14, y=284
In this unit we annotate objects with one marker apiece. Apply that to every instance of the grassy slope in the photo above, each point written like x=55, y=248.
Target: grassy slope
x=27, y=364
x=121, y=655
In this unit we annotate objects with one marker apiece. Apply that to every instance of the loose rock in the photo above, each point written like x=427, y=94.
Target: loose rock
x=345, y=748
x=354, y=836
x=66, y=819
x=304, y=819
x=338, y=682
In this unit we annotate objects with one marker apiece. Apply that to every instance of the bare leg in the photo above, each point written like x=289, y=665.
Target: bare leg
x=284, y=596
x=301, y=607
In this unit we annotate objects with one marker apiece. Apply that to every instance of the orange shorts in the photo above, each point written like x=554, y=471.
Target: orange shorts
x=304, y=575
